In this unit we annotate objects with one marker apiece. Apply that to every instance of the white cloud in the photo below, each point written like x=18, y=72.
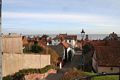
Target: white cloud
x=96, y=20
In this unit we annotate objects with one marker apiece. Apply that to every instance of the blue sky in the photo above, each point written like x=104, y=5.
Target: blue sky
x=61, y=16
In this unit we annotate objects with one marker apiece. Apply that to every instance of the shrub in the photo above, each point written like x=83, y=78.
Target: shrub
x=8, y=78
x=20, y=75
x=36, y=48
x=72, y=74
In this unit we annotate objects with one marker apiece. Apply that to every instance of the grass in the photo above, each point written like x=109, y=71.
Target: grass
x=113, y=77
x=106, y=78
x=72, y=74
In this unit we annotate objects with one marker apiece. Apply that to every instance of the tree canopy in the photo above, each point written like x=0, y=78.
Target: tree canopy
x=36, y=48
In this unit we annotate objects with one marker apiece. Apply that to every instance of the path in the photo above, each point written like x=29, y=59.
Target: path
x=74, y=63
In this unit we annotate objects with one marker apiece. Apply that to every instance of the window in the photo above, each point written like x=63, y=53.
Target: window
x=111, y=69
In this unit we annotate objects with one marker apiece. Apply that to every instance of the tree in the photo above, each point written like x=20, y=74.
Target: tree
x=86, y=49
x=87, y=53
x=36, y=48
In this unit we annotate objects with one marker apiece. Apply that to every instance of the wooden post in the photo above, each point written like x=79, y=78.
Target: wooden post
x=60, y=65
x=119, y=73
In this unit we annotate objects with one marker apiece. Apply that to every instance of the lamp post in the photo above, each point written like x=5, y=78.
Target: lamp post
x=82, y=35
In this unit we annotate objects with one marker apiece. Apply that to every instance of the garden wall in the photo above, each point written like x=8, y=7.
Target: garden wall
x=12, y=63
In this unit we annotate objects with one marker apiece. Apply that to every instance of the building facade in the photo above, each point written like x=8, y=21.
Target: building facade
x=106, y=59
x=12, y=43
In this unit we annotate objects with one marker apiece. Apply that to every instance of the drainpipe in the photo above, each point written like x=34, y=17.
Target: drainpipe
x=119, y=70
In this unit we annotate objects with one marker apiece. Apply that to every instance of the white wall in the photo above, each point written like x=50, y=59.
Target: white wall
x=68, y=49
x=73, y=43
x=55, y=42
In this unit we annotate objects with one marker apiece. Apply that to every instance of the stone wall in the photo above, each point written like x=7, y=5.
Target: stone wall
x=37, y=76
x=108, y=69
x=12, y=63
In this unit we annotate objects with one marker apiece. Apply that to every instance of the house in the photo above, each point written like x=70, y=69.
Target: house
x=49, y=41
x=70, y=39
x=25, y=41
x=8, y=46
x=59, y=49
x=112, y=36
x=98, y=50
x=68, y=51
x=58, y=39
x=106, y=59
x=118, y=38
x=78, y=46
x=29, y=41
x=42, y=42
x=105, y=43
x=64, y=50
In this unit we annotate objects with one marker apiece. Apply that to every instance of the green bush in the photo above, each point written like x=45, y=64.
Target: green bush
x=16, y=76
x=110, y=77
x=106, y=78
x=20, y=75
x=36, y=48
x=8, y=78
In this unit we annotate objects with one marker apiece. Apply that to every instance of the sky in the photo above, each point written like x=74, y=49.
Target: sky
x=61, y=16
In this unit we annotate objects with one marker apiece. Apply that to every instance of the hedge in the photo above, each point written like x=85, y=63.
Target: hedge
x=20, y=75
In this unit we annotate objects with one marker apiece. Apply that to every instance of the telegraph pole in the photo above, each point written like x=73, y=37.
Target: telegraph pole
x=0, y=41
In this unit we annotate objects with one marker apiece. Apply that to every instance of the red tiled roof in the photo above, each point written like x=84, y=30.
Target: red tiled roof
x=98, y=43
x=66, y=45
x=24, y=40
x=71, y=37
x=106, y=43
x=59, y=38
x=42, y=43
x=114, y=43
x=65, y=36
x=108, y=55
